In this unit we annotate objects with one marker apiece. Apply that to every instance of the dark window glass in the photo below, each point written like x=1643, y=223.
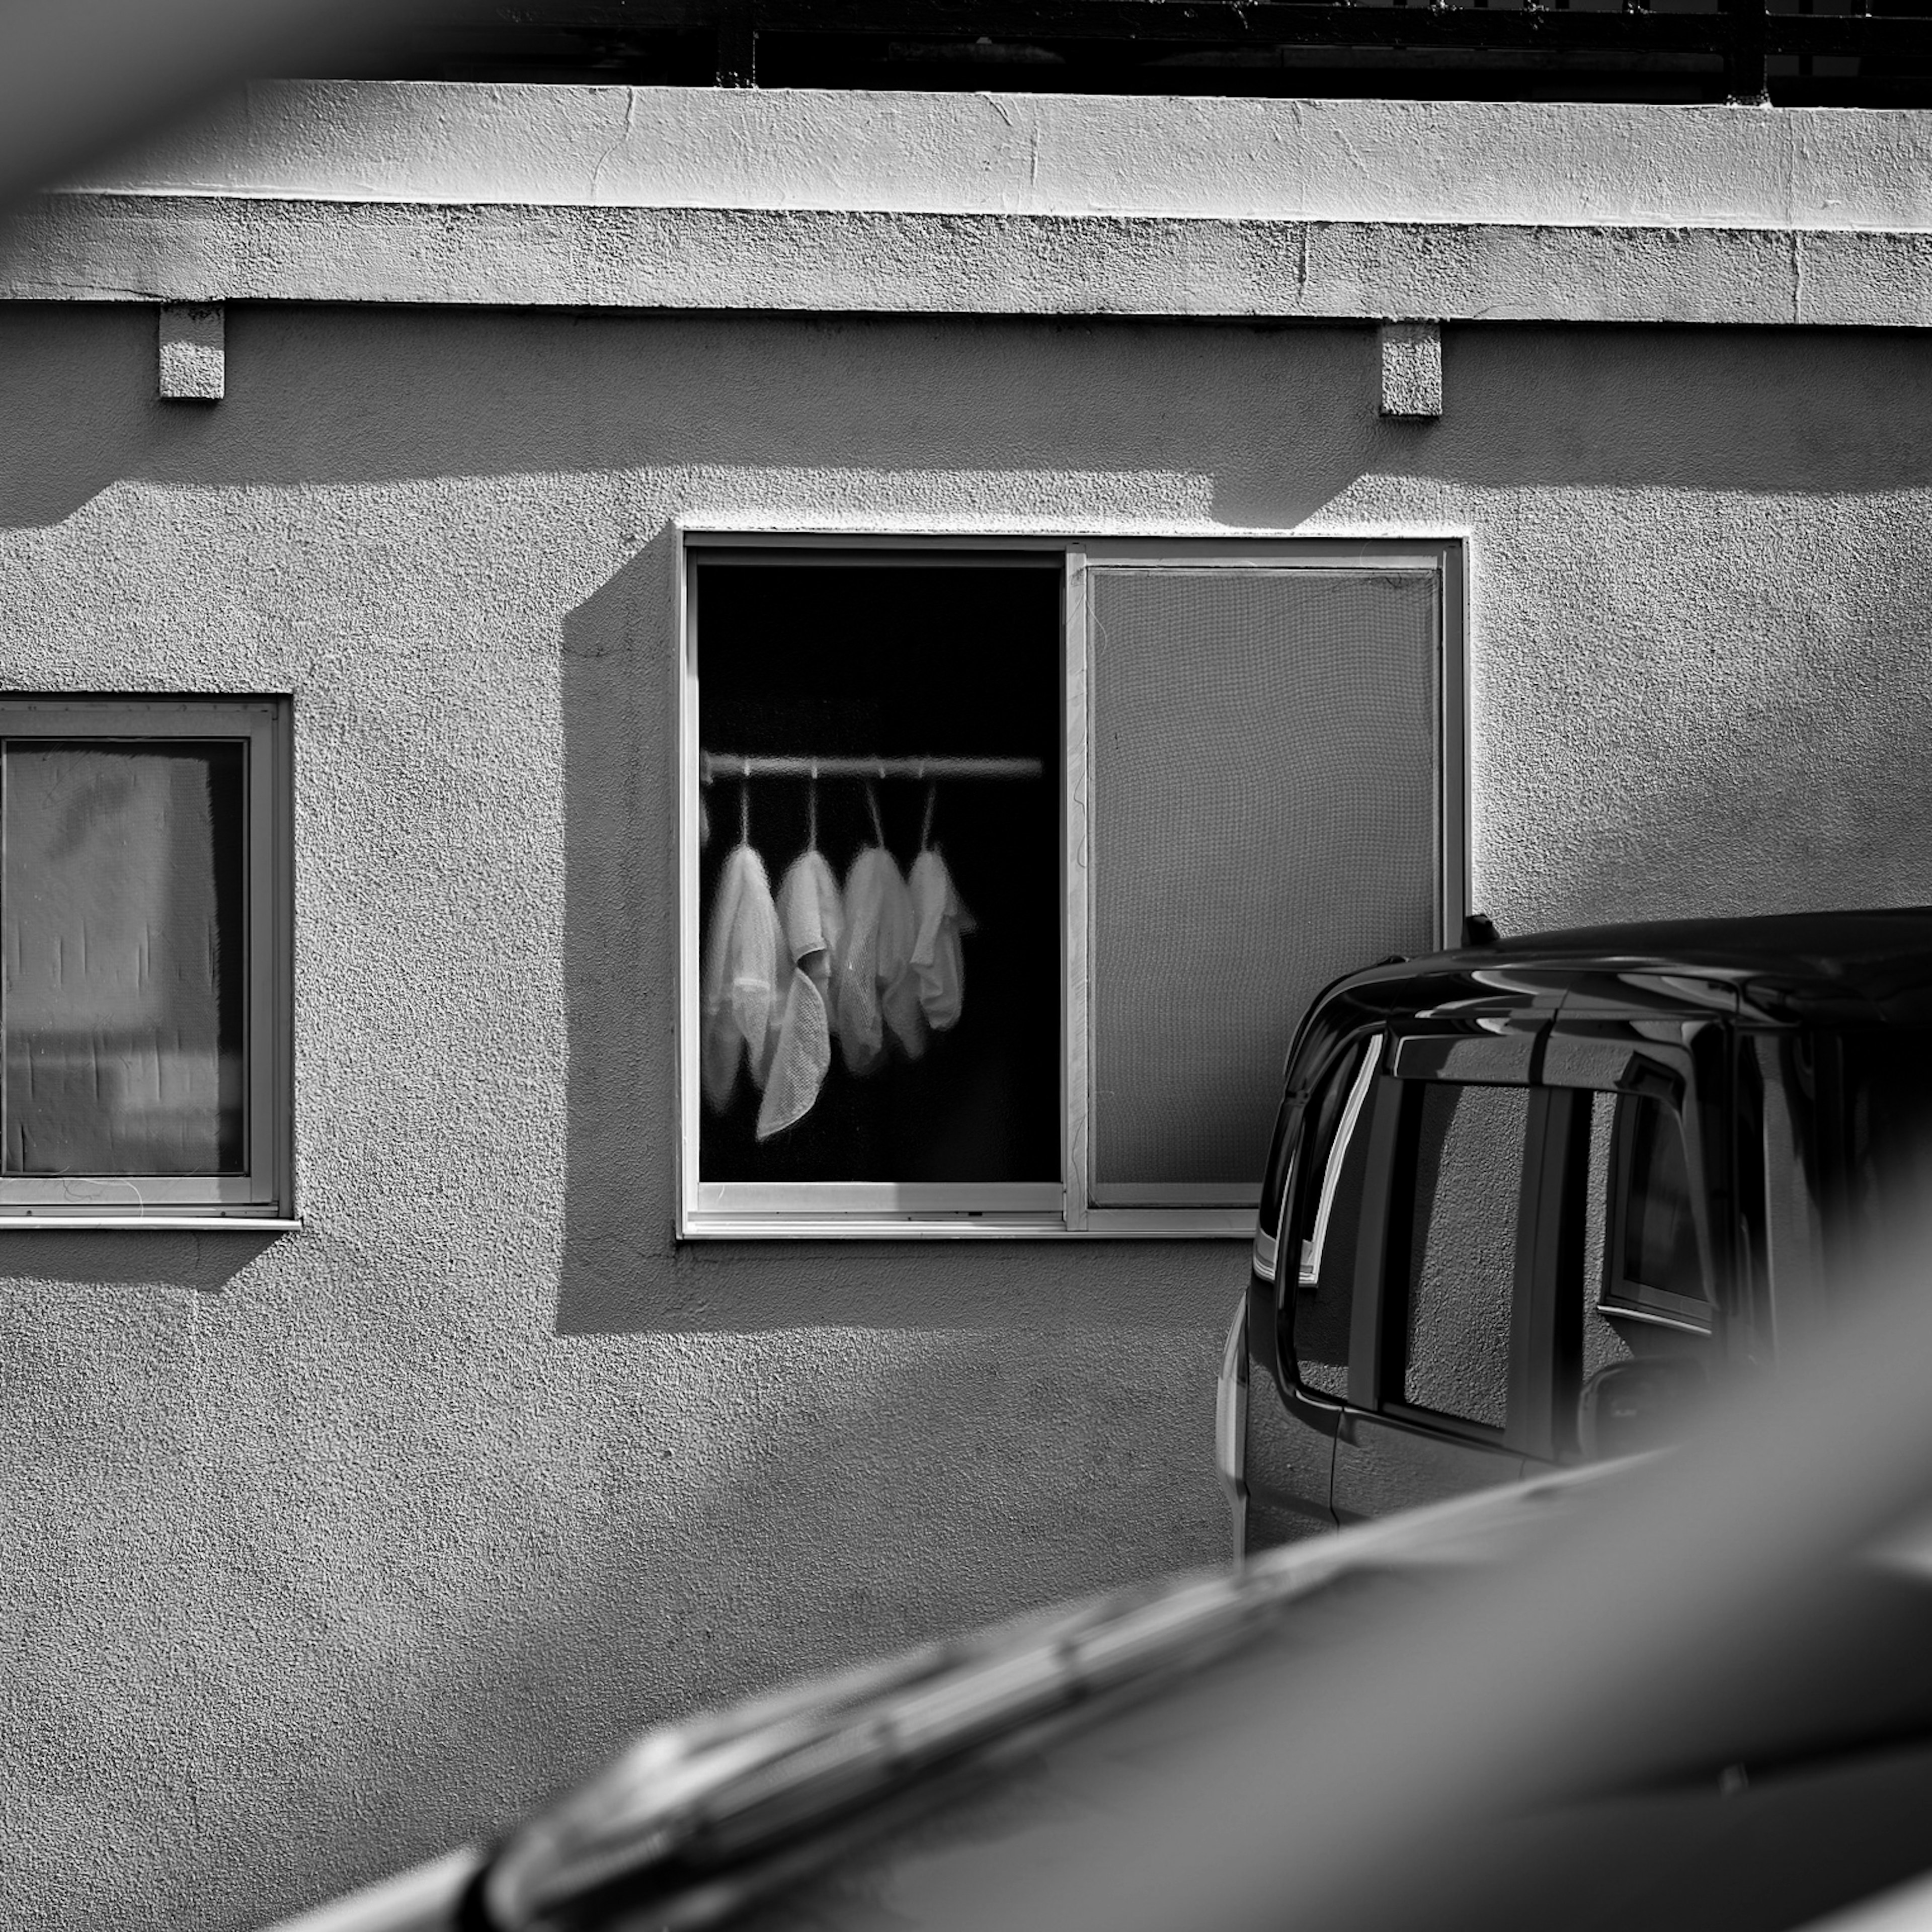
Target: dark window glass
x=1888, y=1075
x=1632, y=1372
x=121, y=898
x=872, y=660
x=1461, y=1276
x=1655, y=1264
x=1660, y=1249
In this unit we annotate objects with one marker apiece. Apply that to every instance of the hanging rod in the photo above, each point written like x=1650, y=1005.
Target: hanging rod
x=720, y=765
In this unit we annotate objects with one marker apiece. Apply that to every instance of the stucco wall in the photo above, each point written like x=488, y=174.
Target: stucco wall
x=327, y=1552
x=825, y=201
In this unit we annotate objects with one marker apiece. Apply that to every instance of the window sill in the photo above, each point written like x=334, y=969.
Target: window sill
x=152, y=1224
x=1176, y=1224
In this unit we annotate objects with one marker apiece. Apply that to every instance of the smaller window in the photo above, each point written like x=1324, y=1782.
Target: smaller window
x=1633, y=1369
x=1461, y=1264
x=1655, y=1266
x=142, y=923
x=1601, y=1345
x=1780, y=1069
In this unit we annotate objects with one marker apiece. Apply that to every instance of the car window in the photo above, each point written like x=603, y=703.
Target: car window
x=1601, y=1344
x=1660, y=1243
x=1888, y=1076
x=1656, y=1264
x=1328, y=1217
x=1459, y=1277
x=1635, y=1366
x=1779, y=1074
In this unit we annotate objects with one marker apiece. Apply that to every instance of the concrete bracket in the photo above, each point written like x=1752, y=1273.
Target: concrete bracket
x=193, y=355
x=1411, y=360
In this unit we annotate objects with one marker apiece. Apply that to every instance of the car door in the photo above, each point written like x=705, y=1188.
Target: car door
x=1446, y=1256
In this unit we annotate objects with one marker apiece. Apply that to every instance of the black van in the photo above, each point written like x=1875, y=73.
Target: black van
x=1526, y=1200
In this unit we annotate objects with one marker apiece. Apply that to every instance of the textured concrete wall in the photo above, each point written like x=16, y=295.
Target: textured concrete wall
x=324, y=1552
x=1199, y=156
x=824, y=201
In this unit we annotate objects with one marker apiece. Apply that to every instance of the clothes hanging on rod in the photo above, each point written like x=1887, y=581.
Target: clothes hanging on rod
x=717, y=767
x=879, y=963
x=811, y=917
x=877, y=990
x=745, y=961
x=937, y=961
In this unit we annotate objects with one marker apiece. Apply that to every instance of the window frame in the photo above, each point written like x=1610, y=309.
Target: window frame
x=1067, y=1208
x=262, y=1195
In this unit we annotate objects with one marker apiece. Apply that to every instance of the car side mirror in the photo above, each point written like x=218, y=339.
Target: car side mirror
x=1640, y=1404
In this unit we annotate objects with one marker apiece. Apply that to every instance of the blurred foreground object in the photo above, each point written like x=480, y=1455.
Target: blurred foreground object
x=1690, y=1690
x=78, y=78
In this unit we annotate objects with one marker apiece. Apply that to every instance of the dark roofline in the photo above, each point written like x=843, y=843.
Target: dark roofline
x=1585, y=50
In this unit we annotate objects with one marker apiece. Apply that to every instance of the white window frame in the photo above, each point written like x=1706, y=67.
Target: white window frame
x=261, y=1197
x=1065, y=1209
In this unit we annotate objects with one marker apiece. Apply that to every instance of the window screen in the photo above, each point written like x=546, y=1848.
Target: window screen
x=1265, y=784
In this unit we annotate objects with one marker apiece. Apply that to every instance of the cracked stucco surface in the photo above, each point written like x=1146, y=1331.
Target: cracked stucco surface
x=1462, y=161
x=824, y=201
x=325, y=1553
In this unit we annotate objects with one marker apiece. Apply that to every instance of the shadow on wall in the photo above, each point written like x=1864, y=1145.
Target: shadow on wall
x=133, y=1258
x=619, y=678
x=322, y=396
x=1275, y=420
x=1784, y=411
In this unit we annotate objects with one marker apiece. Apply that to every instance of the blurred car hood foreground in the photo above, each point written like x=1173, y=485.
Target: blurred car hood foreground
x=1689, y=1690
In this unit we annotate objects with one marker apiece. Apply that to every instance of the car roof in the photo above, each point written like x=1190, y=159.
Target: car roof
x=1852, y=966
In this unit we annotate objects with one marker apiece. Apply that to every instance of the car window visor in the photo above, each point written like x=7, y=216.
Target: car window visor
x=1473, y=1059
x=1309, y=1270
x=1540, y=1056
x=1613, y=1065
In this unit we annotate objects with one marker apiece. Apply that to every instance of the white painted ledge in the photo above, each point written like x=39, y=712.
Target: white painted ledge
x=400, y=192
x=89, y=247
x=1459, y=162
x=144, y=1224
x=1117, y=1224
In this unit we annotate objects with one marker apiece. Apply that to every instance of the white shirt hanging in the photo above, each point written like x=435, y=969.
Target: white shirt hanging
x=812, y=920
x=744, y=963
x=875, y=987
x=936, y=962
